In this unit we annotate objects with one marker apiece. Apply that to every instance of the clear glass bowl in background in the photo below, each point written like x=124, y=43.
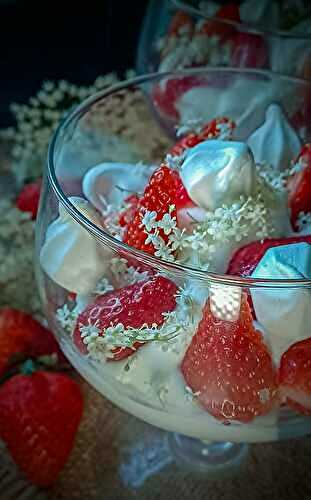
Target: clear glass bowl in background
x=153, y=388
x=245, y=45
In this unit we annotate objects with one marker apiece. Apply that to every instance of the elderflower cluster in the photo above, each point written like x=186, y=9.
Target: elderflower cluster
x=102, y=343
x=36, y=121
x=228, y=223
x=125, y=274
x=278, y=179
x=67, y=318
x=17, y=282
x=168, y=226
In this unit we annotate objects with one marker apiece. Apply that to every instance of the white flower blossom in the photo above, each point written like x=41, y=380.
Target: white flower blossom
x=67, y=318
x=167, y=223
x=176, y=238
x=89, y=332
x=165, y=253
x=149, y=220
x=103, y=286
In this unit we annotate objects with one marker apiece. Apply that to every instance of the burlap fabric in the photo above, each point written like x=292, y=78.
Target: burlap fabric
x=118, y=457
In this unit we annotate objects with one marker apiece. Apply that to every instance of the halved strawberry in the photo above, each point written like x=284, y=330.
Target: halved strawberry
x=211, y=130
x=299, y=185
x=229, y=368
x=245, y=260
x=161, y=192
x=229, y=12
x=295, y=376
x=133, y=306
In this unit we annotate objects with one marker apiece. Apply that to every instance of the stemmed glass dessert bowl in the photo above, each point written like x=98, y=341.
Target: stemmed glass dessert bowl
x=183, y=294
x=180, y=34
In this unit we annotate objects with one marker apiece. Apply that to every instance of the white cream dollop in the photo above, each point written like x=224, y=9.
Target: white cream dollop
x=217, y=172
x=70, y=256
x=284, y=313
x=109, y=183
x=275, y=142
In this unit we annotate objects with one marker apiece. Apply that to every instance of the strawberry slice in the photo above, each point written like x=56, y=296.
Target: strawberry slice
x=28, y=198
x=212, y=130
x=161, y=192
x=295, y=376
x=229, y=369
x=299, y=185
x=166, y=95
x=21, y=336
x=229, y=12
x=133, y=306
x=245, y=260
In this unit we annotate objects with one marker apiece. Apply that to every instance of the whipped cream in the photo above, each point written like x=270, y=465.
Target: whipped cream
x=244, y=100
x=149, y=385
x=186, y=217
x=284, y=313
x=70, y=256
x=217, y=172
x=110, y=183
x=275, y=142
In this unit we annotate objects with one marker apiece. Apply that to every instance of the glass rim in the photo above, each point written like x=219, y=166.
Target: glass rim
x=104, y=237
x=249, y=28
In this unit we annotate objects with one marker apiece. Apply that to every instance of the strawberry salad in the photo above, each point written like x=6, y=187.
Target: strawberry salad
x=170, y=346
x=235, y=40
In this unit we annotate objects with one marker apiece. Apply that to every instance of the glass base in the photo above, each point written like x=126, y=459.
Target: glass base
x=214, y=459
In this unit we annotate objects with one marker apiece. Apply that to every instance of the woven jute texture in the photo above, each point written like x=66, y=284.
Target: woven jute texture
x=117, y=456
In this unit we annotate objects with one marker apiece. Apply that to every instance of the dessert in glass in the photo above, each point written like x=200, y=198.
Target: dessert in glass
x=180, y=288
x=179, y=34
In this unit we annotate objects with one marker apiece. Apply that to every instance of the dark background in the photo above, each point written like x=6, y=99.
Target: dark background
x=63, y=40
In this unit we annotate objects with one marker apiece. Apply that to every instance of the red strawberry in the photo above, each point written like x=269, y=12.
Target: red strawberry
x=299, y=186
x=180, y=21
x=249, y=51
x=127, y=215
x=134, y=305
x=229, y=368
x=21, y=335
x=229, y=12
x=39, y=418
x=295, y=376
x=245, y=260
x=161, y=192
x=166, y=95
x=28, y=198
x=211, y=130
